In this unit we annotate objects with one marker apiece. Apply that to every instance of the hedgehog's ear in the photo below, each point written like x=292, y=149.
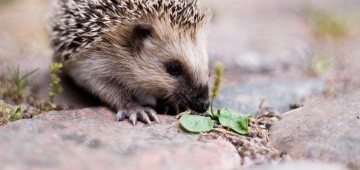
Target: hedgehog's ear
x=139, y=33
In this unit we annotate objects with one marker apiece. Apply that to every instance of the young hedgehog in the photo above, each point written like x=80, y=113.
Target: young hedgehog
x=138, y=56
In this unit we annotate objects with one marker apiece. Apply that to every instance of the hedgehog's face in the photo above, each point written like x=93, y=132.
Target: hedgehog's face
x=172, y=64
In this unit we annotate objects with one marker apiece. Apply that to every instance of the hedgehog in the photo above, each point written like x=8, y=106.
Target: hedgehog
x=140, y=57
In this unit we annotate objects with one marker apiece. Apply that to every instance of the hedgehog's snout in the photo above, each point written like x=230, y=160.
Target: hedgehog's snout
x=200, y=100
x=200, y=106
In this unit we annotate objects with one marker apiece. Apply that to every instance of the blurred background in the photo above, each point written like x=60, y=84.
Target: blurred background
x=287, y=51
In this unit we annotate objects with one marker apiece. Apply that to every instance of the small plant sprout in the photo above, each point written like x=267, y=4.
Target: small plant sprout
x=20, y=82
x=15, y=114
x=55, y=84
x=5, y=2
x=219, y=70
x=327, y=24
x=225, y=117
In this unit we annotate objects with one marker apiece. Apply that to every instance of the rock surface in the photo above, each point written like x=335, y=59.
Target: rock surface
x=300, y=165
x=245, y=97
x=92, y=139
x=271, y=39
x=327, y=131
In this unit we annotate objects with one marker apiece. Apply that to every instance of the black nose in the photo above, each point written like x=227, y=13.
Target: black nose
x=200, y=106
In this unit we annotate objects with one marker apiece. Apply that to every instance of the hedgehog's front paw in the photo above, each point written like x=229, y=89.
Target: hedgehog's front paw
x=143, y=114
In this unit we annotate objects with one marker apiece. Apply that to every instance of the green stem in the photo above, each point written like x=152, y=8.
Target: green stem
x=213, y=114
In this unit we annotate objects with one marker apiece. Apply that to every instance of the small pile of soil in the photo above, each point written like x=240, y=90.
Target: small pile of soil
x=253, y=148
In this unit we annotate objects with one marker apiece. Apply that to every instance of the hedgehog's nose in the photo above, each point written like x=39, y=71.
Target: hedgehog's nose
x=200, y=100
x=201, y=105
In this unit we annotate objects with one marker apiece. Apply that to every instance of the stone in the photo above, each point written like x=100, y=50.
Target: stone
x=299, y=165
x=327, y=131
x=245, y=97
x=92, y=139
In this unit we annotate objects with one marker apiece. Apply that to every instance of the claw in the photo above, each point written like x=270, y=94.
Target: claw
x=133, y=118
x=153, y=116
x=120, y=115
x=144, y=118
x=143, y=114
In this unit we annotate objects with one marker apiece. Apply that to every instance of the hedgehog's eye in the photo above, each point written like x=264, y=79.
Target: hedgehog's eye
x=174, y=68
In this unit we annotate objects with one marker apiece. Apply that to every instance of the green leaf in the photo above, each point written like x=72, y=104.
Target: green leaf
x=196, y=123
x=15, y=114
x=27, y=75
x=234, y=120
